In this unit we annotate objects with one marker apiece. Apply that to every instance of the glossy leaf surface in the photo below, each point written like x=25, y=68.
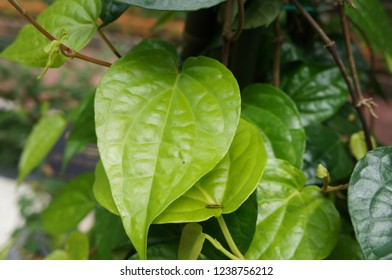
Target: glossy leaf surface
x=191, y=242
x=159, y=131
x=318, y=91
x=175, y=5
x=70, y=206
x=277, y=117
x=111, y=10
x=41, y=140
x=324, y=146
x=370, y=204
x=227, y=186
x=294, y=222
x=76, y=17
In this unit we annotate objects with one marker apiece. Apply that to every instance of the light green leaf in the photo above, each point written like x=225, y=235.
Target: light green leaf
x=159, y=131
x=70, y=206
x=261, y=12
x=278, y=119
x=77, y=17
x=191, y=242
x=227, y=186
x=102, y=191
x=58, y=254
x=372, y=19
x=77, y=246
x=318, y=91
x=294, y=222
x=358, y=144
x=370, y=204
x=176, y=5
x=41, y=140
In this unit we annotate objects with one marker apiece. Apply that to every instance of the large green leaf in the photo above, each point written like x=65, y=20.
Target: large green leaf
x=176, y=5
x=41, y=140
x=111, y=10
x=370, y=204
x=278, y=119
x=324, y=146
x=77, y=17
x=372, y=19
x=294, y=222
x=159, y=131
x=261, y=12
x=318, y=91
x=227, y=186
x=70, y=206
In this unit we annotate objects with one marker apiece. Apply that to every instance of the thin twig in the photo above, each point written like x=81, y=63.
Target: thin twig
x=331, y=48
x=107, y=41
x=68, y=52
x=278, y=48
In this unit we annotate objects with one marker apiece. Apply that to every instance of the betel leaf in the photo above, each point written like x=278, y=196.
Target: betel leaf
x=76, y=17
x=278, y=119
x=175, y=5
x=294, y=222
x=41, y=140
x=317, y=90
x=324, y=146
x=370, y=204
x=159, y=130
x=78, y=246
x=111, y=10
x=102, y=191
x=227, y=186
x=70, y=206
x=261, y=12
x=191, y=242
x=372, y=19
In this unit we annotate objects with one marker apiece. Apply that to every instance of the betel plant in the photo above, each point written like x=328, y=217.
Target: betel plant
x=247, y=158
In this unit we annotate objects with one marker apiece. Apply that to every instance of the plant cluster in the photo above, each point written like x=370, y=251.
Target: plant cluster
x=252, y=143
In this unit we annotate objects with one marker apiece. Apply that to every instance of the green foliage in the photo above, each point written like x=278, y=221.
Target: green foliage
x=185, y=157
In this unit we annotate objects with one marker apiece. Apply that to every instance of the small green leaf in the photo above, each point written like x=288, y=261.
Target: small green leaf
x=78, y=17
x=370, y=204
x=70, y=206
x=191, y=242
x=294, y=222
x=175, y=5
x=58, y=254
x=278, y=119
x=227, y=186
x=159, y=131
x=318, y=91
x=358, y=144
x=261, y=12
x=41, y=140
x=321, y=171
x=111, y=10
x=102, y=191
x=77, y=246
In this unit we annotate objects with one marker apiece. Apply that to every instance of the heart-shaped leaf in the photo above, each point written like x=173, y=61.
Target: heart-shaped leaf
x=370, y=204
x=77, y=17
x=318, y=91
x=159, y=131
x=175, y=5
x=294, y=222
x=278, y=118
x=227, y=186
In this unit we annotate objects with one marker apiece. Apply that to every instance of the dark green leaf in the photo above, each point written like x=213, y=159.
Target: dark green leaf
x=345, y=121
x=191, y=242
x=277, y=117
x=78, y=246
x=159, y=131
x=111, y=10
x=70, y=206
x=163, y=251
x=261, y=12
x=324, y=146
x=370, y=204
x=41, y=140
x=175, y=5
x=227, y=186
x=318, y=91
x=294, y=222
x=77, y=17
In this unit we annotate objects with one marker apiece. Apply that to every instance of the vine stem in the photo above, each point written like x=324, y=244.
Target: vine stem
x=219, y=247
x=229, y=238
x=107, y=42
x=331, y=48
x=66, y=51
